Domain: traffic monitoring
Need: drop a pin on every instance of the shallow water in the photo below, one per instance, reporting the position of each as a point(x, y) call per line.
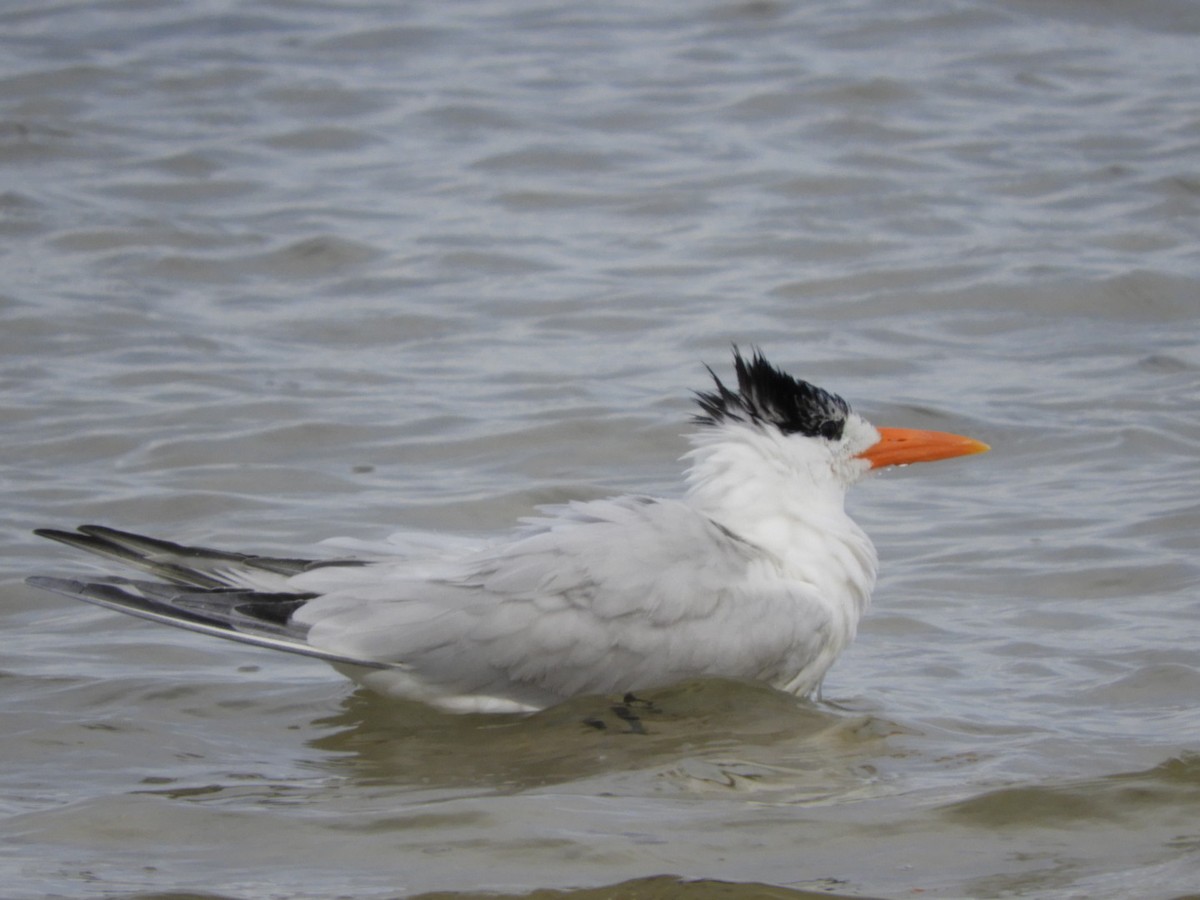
point(275, 272)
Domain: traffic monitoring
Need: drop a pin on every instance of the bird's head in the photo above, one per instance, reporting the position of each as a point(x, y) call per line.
point(814, 427)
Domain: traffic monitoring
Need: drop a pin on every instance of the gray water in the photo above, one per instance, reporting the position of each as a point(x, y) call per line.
point(280, 271)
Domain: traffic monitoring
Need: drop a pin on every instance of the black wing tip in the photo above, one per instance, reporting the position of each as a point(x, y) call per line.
point(83, 535)
point(56, 534)
point(68, 586)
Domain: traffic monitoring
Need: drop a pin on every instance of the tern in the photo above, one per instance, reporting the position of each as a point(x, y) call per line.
point(754, 573)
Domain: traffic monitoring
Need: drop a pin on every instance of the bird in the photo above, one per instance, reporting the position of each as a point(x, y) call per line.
point(753, 572)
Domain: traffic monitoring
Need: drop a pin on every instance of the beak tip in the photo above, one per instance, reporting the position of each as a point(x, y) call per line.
point(978, 446)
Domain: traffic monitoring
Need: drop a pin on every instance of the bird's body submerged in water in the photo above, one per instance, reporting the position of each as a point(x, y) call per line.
point(755, 573)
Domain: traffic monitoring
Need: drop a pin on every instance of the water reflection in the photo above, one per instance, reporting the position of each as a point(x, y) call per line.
point(706, 735)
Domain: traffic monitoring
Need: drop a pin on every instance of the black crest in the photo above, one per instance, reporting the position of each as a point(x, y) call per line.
point(767, 395)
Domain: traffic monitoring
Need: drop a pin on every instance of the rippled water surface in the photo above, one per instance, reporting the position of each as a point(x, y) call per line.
point(276, 271)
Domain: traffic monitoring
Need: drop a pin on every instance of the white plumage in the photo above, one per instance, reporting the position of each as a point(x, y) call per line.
point(756, 573)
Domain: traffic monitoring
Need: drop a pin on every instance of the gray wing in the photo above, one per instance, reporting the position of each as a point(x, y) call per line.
point(600, 597)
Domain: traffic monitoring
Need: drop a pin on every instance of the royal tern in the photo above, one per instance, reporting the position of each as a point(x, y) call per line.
point(755, 573)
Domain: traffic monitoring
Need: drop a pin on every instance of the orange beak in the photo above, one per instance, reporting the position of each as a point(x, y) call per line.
point(903, 446)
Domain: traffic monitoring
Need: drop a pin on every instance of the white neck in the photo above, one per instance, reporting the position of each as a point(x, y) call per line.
point(785, 494)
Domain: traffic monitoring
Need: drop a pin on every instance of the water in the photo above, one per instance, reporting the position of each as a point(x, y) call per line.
point(280, 271)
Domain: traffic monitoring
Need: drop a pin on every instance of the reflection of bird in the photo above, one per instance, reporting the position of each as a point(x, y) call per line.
point(757, 573)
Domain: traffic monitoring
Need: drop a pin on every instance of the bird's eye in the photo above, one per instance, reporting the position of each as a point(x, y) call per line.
point(831, 430)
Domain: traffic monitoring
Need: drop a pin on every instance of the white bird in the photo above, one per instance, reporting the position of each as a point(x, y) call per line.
point(755, 573)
